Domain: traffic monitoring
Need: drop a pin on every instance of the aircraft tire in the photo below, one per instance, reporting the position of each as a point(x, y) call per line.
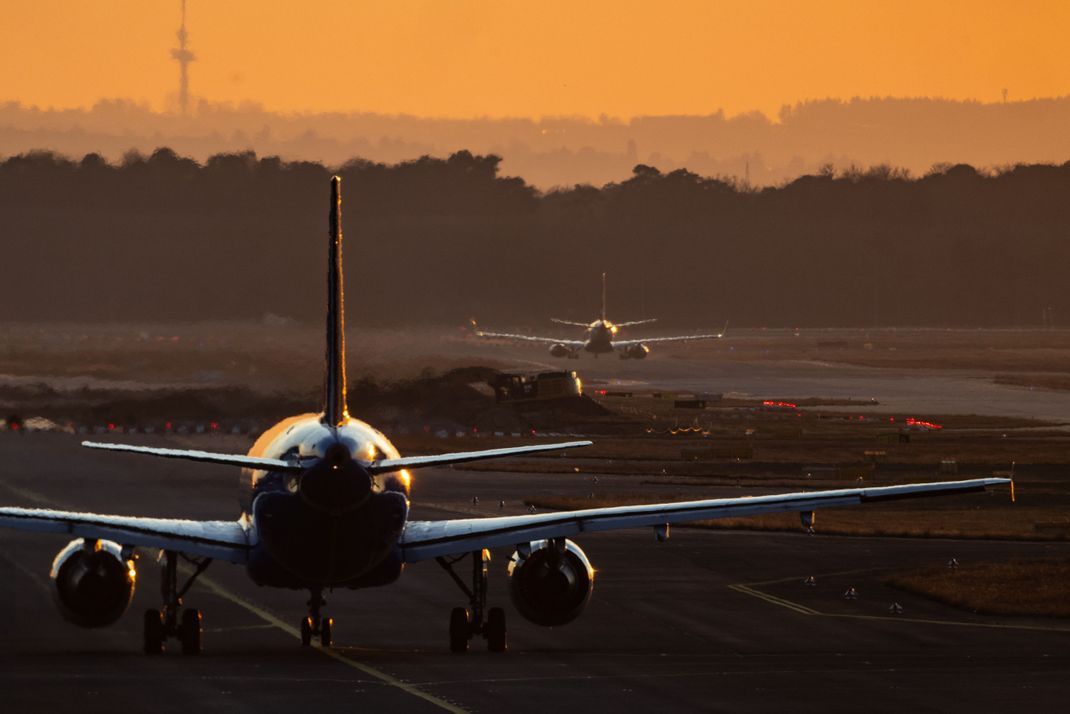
point(459, 630)
point(327, 631)
point(192, 632)
point(306, 632)
point(496, 639)
point(154, 632)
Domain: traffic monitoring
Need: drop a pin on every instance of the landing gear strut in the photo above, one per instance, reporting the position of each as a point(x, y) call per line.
point(465, 623)
point(315, 624)
point(161, 624)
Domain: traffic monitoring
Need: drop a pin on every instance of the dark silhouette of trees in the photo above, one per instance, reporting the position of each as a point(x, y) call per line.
point(163, 237)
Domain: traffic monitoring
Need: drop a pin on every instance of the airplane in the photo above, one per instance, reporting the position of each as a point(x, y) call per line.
point(601, 337)
point(326, 506)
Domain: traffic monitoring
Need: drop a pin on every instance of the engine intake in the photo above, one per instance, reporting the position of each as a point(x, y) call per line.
point(550, 582)
point(560, 350)
point(93, 582)
point(638, 351)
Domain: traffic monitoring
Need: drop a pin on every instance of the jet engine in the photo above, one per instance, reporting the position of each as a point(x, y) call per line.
point(94, 582)
point(637, 351)
point(550, 581)
point(560, 350)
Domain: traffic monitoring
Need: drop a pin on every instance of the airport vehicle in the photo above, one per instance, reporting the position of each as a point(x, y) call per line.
point(601, 337)
point(327, 506)
point(544, 386)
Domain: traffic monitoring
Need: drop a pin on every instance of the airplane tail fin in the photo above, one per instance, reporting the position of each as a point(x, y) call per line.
point(335, 410)
point(603, 296)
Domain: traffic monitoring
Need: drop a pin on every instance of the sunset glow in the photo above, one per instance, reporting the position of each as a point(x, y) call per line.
point(473, 58)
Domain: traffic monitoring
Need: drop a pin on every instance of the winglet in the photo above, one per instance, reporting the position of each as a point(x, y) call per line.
point(335, 410)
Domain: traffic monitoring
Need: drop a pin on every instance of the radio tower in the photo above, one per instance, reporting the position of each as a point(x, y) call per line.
point(183, 56)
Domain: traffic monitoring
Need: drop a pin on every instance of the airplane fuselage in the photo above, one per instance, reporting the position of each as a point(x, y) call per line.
point(333, 525)
point(600, 337)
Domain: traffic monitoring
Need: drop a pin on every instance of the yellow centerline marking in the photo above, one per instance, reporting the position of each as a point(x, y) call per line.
point(387, 679)
point(958, 623)
point(268, 617)
point(746, 590)
point(752, 591)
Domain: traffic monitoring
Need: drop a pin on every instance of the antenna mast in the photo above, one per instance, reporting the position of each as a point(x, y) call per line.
point(184, 57)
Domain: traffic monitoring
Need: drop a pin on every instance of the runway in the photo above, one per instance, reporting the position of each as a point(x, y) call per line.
point(894, 390)
point(711, 621)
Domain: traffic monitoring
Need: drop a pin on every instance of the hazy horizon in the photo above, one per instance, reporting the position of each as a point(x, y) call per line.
point(914, 134)
point(761, 91)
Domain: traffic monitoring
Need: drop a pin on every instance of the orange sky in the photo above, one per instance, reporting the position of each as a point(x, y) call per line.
point(467, 58)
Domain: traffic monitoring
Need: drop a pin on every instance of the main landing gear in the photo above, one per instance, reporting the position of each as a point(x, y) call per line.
point(315, 625)
point(465, 623)
point(161, 624)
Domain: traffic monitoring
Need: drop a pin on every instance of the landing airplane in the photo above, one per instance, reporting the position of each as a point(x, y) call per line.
point(327, 506)
point(601, 337)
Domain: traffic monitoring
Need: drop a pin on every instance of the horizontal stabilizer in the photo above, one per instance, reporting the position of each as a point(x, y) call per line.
point(250, 462)
point(458, 457)
point(633, 323)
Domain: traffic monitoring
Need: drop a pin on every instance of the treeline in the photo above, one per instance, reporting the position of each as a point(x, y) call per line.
point(913, 133)
point(435, 241)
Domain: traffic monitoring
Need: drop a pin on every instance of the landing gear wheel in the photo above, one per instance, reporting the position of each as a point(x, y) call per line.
point(192, 632)
point(460, 629)
point(154, 632)
point(161, 624)
point(495, 630)
point(306, 632)
point(327, 631)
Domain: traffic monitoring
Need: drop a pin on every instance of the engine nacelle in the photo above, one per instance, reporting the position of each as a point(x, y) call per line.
point(639, 351)
point(93, 582)
point(560, 350)
point(550, 582)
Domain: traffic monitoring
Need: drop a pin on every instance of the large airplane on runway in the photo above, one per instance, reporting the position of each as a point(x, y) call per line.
point(601, 337)
point(327, 507)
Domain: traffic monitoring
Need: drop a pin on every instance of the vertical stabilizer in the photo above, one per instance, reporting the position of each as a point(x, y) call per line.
point(603, 296)
point(335, 410)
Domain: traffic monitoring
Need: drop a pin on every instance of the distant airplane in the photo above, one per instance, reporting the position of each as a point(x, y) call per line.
point(601, 337)
point(327, 506)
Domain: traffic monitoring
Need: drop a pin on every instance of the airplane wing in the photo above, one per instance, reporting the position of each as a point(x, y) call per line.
point(681, 338)
point(459, 457)
point(221, 540)
point(568, 322)
point(532, 338)
point(653, 340)
point(633, 323)
point(432, 539)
